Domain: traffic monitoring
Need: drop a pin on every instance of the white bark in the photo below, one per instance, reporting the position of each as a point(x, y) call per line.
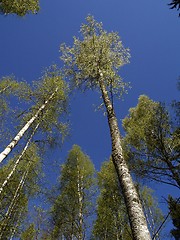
point(80, 190)
point(133, 204)
point(16, 226)
point(18, 160)
point(13, 203)
point(20, 134)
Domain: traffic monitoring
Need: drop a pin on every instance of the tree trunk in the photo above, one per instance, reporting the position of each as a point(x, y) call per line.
point(20, 134)
point(13, 203)
point(18, 160)
point(80, 199)
point(16, 226)
point(133, 204)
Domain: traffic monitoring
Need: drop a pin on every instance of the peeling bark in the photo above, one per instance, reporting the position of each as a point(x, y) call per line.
point(133, 204)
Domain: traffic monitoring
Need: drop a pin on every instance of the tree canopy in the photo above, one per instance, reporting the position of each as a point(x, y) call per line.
point(152, 142)
point(19, 7)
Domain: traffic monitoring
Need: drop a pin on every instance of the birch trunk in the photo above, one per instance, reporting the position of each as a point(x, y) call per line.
point(13, 204)
point(18, 160)
point(20, 134)
point(16, 226)
point(80, 178)
point(133, 204)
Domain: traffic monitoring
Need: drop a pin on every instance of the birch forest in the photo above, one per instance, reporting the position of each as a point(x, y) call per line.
point(53, 187)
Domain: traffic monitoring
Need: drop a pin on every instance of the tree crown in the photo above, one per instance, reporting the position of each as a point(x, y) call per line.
point(98, 52)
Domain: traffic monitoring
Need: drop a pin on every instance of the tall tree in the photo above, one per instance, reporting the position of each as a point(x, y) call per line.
point(153, 144)
point(93, 63)
point(19, 7)
point(73, 206)
point(50, 97)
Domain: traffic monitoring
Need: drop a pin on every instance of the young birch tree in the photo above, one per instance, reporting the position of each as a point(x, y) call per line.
point(74, 204)
point(93, 63)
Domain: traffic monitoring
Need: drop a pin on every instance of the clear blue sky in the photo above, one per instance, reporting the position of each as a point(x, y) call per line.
point(148, 28)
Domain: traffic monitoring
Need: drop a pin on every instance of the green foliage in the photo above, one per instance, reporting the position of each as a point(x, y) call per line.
point(51, 118)
point(11, 91)
point(174, 207)
point(8, 86)
point(112, 219)
point(29, 233)
point(153, 214)
point(98, 51)
point(151, 143)
point(140, 122)
point(19, 7)
point(15, 196)
point(74, 204)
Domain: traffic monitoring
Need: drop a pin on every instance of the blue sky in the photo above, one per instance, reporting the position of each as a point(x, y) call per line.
point(148, 28)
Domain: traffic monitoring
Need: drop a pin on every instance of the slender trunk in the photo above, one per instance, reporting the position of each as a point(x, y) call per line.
point(153, 224)
point(13, 204)
point(79, 185)
point(16, 226)
point(20, 134)
point(150, 224)
point(119, 234)
point(18, 160)
point(133, 204)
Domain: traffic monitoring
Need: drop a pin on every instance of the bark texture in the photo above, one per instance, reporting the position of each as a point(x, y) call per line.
point(136, 216)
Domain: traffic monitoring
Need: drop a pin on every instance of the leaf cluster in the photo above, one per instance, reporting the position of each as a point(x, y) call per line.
point(19, 7)
point(174, 207)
